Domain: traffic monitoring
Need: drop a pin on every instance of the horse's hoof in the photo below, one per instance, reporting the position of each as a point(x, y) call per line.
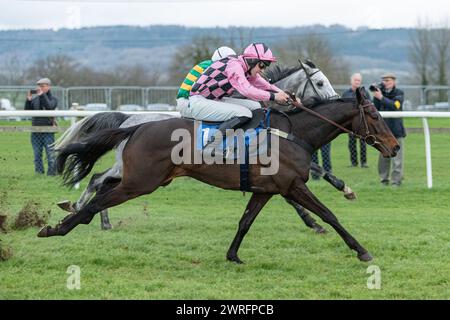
point(235, 259)
point(348, 193)
point(66, 205)
point(44, 232)
point(365, 257)
point(319, 229)
point(107, 226)
point(350, 196)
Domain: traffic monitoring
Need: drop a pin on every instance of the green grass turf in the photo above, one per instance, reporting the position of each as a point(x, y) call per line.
point(172, 243)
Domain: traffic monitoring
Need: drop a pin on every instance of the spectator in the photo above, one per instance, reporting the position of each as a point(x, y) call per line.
point(326, 160)
point(42, 99)
point(355, 82)
point(388, 98)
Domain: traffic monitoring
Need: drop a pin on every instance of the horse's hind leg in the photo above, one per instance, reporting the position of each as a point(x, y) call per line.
point(86, 195)
point(99, 202)
point(94, 185)
point(305, 216)
point(254, 206)
point(108, 184)
point(301, 194)
point(139, 181)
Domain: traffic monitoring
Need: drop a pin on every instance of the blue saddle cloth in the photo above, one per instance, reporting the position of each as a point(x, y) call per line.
point(236, 143)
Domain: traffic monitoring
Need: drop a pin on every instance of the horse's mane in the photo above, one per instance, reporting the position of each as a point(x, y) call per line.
point(279, 72)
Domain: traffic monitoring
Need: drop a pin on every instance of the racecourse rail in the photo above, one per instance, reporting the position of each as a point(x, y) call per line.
point(394, 114)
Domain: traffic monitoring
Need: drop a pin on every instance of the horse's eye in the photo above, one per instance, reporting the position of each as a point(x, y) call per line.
point(320, 83)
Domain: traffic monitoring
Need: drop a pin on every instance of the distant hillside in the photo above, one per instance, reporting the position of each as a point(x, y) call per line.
point(367, 50)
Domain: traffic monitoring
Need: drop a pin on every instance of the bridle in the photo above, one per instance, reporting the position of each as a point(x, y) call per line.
point(368, 138)
point(309, 81)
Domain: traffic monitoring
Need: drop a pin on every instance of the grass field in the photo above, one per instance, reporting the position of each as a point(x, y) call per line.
point(172, 244)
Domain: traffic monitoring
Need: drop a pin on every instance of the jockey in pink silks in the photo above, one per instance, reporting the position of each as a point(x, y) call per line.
point(210, 95)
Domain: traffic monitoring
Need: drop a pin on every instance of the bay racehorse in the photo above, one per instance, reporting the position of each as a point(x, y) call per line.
point(306, 80)
point(148, 164)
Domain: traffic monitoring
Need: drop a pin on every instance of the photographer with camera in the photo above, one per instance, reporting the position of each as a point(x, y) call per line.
point(386, 97)
point(42, 99)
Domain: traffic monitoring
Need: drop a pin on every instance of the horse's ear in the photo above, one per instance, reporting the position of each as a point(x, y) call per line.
point(310, 63)
point(302, 64)
point(364, 93)
point(360, 96)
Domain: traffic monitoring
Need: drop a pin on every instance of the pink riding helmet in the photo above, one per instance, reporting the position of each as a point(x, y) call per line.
point(259, 51)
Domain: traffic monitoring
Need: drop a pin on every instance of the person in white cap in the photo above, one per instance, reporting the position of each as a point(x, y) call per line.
point(192, 76)
point(42, 99)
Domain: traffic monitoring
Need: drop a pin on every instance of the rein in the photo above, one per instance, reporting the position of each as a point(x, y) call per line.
point(318, 115)
point(368, 138)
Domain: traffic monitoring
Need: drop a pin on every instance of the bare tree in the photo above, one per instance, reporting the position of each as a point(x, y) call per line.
point(61, 69)
point(318, 49)
point(240, 38)
point(13, 72)
point(187, 56)
point(420, 51)
point(441, 53)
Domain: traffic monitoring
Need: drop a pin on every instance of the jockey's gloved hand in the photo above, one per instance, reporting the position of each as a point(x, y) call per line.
point(293, 100)
point(282, 97)
point(290, 94)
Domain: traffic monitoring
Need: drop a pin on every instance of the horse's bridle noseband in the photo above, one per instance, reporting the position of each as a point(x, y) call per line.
point(370, 139)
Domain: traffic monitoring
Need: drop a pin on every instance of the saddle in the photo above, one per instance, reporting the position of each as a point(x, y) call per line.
point(251, 132)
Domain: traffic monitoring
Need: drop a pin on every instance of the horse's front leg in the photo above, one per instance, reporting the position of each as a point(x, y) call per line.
point(301, 194)
point(254, 206)
point(334, 181)
point(104, 219)
point(306, 218)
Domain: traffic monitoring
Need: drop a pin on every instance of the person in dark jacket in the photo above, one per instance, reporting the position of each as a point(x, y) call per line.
point(355, 82)
point(42, 100)
point(387, 97)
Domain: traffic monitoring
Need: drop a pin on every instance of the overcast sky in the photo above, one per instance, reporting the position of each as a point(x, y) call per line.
point(55, 14)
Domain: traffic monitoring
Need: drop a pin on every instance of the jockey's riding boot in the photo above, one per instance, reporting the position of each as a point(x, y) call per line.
point(216, 140)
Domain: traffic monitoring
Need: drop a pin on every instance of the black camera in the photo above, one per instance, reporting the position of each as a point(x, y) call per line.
point(33, 91)
point(375, 87)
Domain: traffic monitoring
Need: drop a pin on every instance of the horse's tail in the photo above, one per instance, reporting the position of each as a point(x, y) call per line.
point(92, 124)
point(76, 160)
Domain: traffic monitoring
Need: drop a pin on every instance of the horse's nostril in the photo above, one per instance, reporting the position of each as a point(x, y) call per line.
point(396, 148)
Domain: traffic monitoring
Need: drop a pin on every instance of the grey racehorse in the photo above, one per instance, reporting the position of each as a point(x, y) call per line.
point(305, 80)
